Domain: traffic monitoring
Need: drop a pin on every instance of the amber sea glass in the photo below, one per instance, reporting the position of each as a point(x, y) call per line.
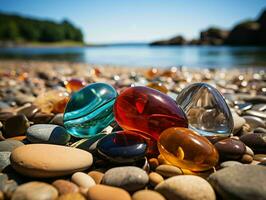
point(148, 111)
point(74, 84)
point(184, 148)
point(158, 86)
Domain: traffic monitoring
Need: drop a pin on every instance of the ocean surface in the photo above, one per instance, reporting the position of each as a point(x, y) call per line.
point(145, 55)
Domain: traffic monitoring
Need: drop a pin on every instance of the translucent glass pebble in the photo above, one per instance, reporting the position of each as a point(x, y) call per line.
point(148, 111)
point(122, 147)
point(90, 110)
point(158, 86)
point(206, 110)
point(184, 148)
point(74, 84)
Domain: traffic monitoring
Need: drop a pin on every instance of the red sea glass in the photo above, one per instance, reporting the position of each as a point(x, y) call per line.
point(147, 111)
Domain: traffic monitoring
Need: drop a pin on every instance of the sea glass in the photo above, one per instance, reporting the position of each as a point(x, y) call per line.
point(52, 101)
point(90, 110)
point(74, 84)
point(206, 110)
point(184, 148)
point(148, 111)
point(122, 147)
point(158, 86)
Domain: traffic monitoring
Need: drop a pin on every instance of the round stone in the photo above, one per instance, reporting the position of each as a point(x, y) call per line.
point(147, 195)
point(153, 110)
point(168, 170)
point(4, 159)
point(153, 162)
point(35, 190)
point(130, 178)
point(71, 196)
point(254, 122)
point(58, 119)
point(186, 187)
point(246, 158)
point(230, 149)
point(82, 180)
point(48, 134)
point(55, 160)
point(42, 118)
point(103, 192)
point(256, 141)
point(230, 164)
point(90, 110)
point(65, 187)
point(28, 110)
point(97, 176)
point(155, 179)
point(240, 182)
point(206, 109)
point(122, 147)
point(10, 145)
point(186, 149)
point(15, 126)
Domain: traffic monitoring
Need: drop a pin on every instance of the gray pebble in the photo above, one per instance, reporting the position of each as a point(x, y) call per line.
point(9, 145)
point(4, 159)
point(229, 163)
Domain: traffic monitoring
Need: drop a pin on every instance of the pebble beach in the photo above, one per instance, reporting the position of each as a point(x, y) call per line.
point(41, 158)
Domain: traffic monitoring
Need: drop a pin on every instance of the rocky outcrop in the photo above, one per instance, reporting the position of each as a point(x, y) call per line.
point(178, 40)
point(213, 36)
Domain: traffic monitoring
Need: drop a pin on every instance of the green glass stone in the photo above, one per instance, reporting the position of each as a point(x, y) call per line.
point(90, 110)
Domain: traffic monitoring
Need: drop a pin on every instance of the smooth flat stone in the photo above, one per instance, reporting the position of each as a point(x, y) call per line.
point(260, 157)
point(147, 195)
point(28, 110)
point(255, 113)
point(130, 178)
point(97, 176)
point(155, 178)
point(103, 192)
point(259, 130)
point(55, 160)
point(90, 110)
point(4, 159)
point(168, 170)
point(34, 191)
point(230, 149)
point(65, 187)
point(206, 110)
point(58, 119)
point(42, 118)
point(230, 163)
point(15, 126)
point(240, 182)
point(10, 145)
point(122, 147)
point(256, 141)
point(82, 180)
point(259, 107)
point(186, 187)
point(48, 134)
point(254, 122)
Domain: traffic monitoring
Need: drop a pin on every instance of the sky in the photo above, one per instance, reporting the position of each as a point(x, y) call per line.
point(111, 21)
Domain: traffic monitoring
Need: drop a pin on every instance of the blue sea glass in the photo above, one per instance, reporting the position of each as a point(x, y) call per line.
point(206, 110)
point(90, 110)
point(122, 147)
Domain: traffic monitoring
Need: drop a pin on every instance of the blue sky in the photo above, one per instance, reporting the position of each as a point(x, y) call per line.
point(139, 20)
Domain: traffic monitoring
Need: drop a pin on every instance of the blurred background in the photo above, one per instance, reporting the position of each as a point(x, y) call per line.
point(159, 33)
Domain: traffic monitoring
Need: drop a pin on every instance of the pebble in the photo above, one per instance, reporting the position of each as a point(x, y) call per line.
point(155, 179)
point(58, 119)
point(256, 141)
point(97, 176)
point(10, 145)
point(47, 133)
point(104, 192)
point(35, 190)
point(263, 163)
point(15, 126)
point(259, 130)
point(28, 110)
point(65, 187)
point(42, 118)
point(230, 149)
point(238, 122)
point(246, 159)
point(153, 163)
point(55, 160)
point(1, 195)
point(82, 180)
point(4, 159)
point(7, 186)
point(129, 178)
point(186, 187)
point(255, 113)
point(254, 122)
point(72, 196)
point(240, 182)
point(260, 157)
point(5, 115)
point(147, 195)
point(168, 170)
point(229, 164)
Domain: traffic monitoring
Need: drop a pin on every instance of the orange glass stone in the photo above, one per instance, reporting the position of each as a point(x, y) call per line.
point(152, 73)
point(74, 85)
point(158, 86)
point(59, 107)
point(184, 148)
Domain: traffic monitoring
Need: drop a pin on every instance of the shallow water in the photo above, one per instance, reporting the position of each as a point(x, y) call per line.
point(145, 55)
